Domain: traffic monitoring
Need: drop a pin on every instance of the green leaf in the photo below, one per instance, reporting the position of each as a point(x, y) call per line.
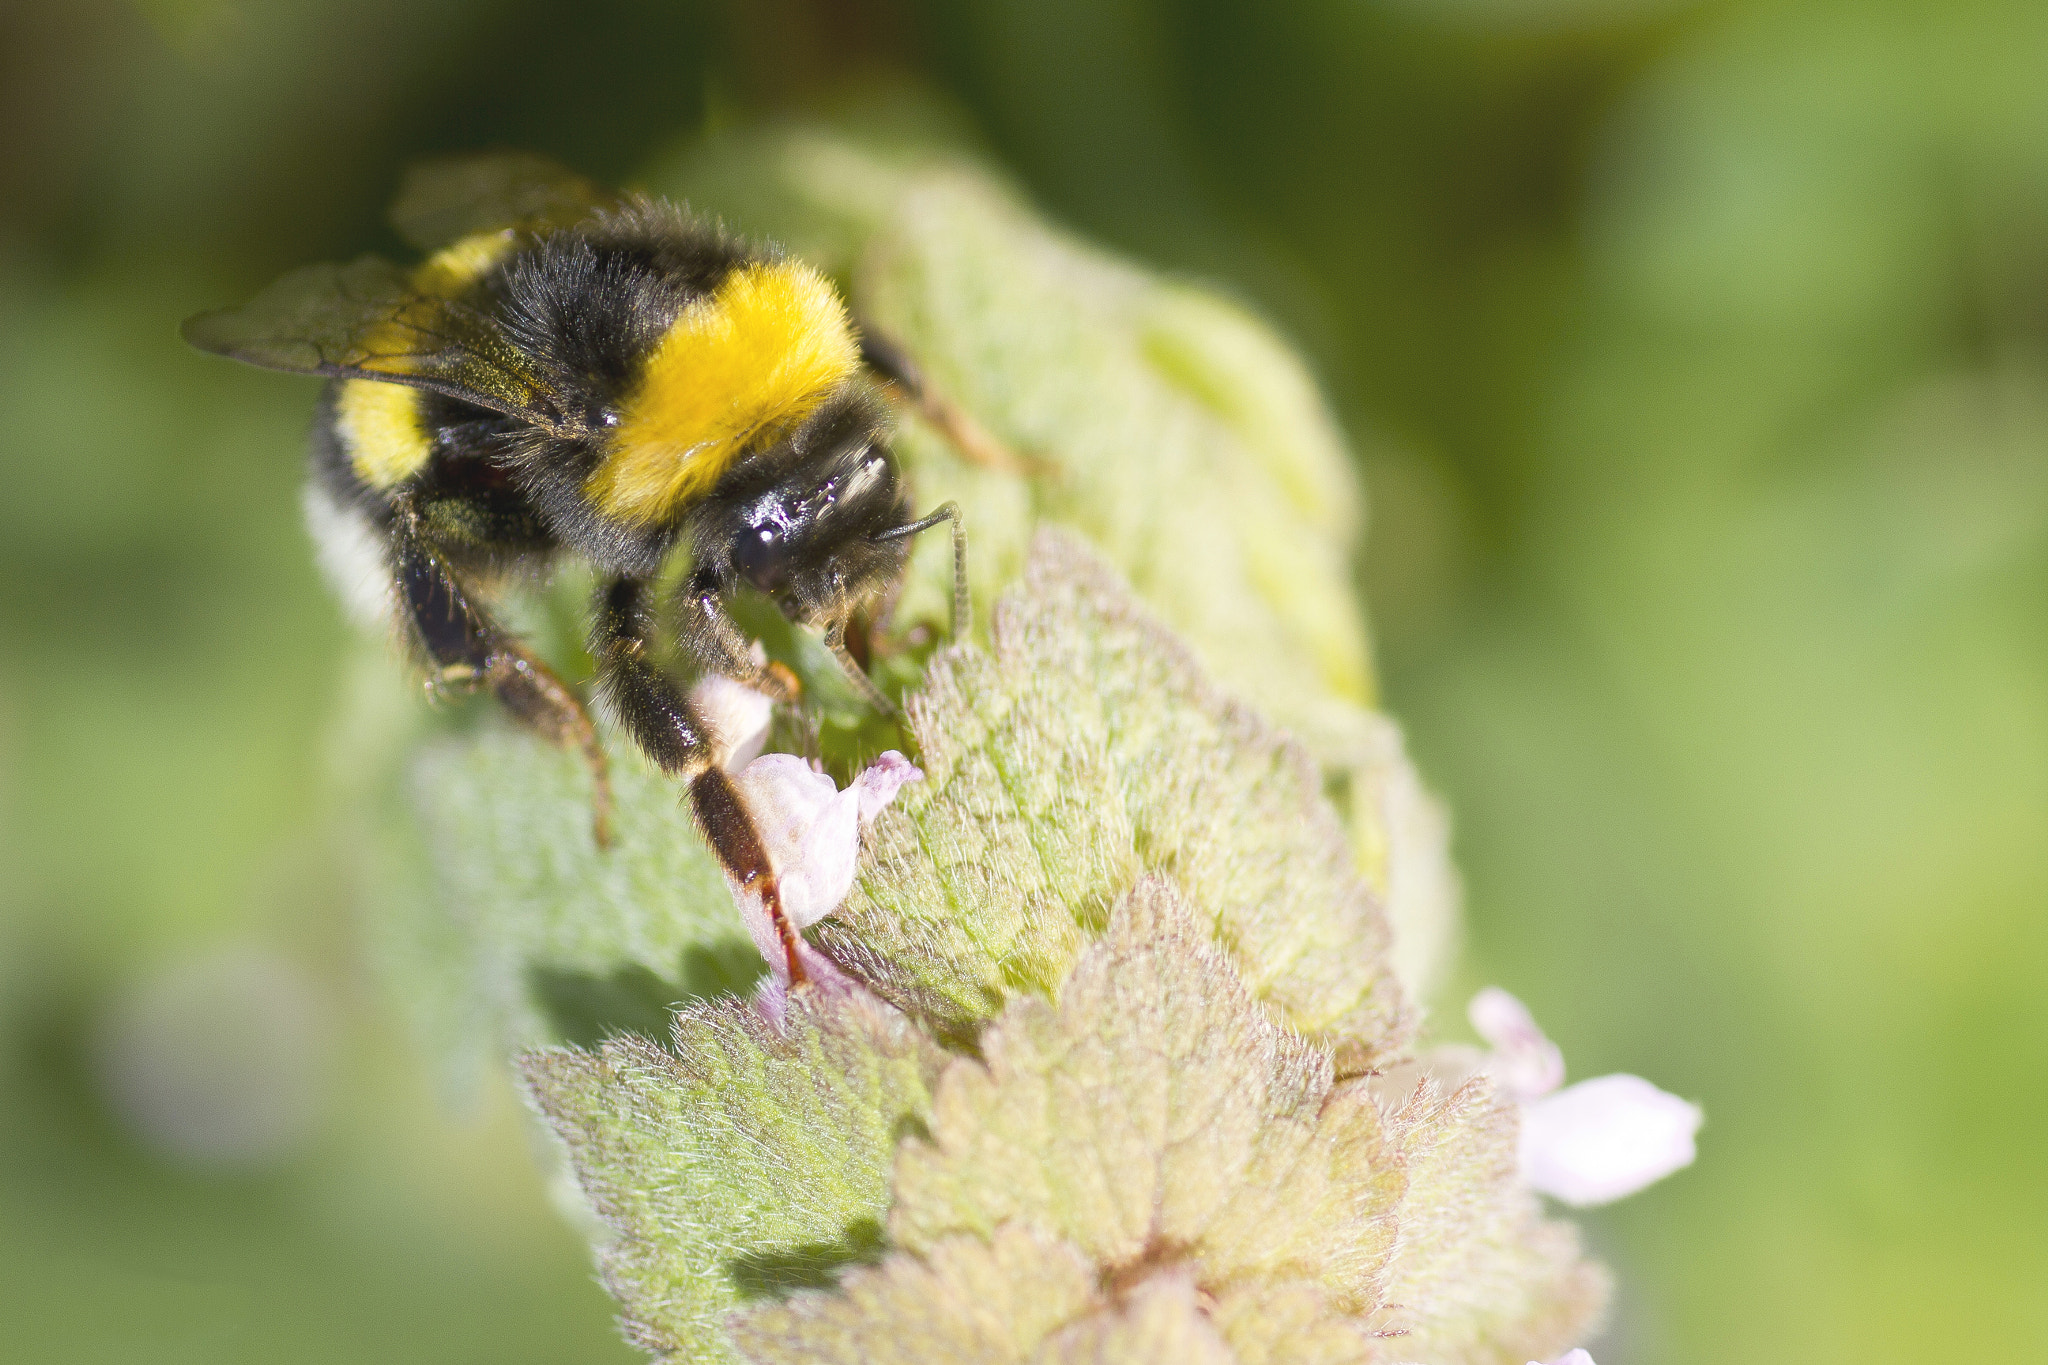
point(751, 1161)
point(1294, 1324)
point(1172, 429)
point(1157, 1114)
point(1401, 840)
point(1168, 425)
point(1481, 1277)
point(1154, 1134)
point(1083, 750)
point(1160, 1322)
point(966, 1300)
point(559, 940)
point(1153, 1169)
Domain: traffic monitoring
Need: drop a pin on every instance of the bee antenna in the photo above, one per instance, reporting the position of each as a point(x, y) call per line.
point(963, 606)
point(948, 512)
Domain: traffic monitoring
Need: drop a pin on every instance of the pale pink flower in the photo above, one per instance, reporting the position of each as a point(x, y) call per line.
point(1603, 1139)
point(1590, 1143)
point(1524, 1062)
point(811, 832)
point(736, 715)
point(1578, 1357)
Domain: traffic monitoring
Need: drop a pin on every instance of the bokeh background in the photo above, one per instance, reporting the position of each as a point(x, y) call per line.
point(1697, 355)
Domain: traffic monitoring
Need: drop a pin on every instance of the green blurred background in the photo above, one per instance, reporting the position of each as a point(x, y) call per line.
point(1699, 355)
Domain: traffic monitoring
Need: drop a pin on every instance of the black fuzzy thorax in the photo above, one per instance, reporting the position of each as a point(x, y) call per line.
point(586, 307)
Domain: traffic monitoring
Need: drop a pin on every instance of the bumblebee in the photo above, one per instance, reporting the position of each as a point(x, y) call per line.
point(607, 377)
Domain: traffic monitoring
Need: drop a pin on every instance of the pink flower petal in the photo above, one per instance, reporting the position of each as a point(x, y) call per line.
point(1525, 1063)
point(881, 780)
point(1577, 1357)
point(1602, 1139)
point(736, 715)
point(821, 973)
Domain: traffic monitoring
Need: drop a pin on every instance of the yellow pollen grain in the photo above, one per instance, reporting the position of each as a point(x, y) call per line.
point(736, 370)
point(380, 428)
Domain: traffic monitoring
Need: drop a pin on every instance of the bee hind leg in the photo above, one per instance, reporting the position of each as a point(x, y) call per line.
point(466, 650)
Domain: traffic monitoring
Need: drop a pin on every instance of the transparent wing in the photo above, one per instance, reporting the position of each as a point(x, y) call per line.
point(449, 198)
point(366, 320)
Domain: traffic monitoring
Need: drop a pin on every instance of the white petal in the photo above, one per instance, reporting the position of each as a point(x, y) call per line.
point(810, 831)
point(821, 873)
point(736, 715)
point(785, 796)
point(1578, 1357)
point(1525, 1062)
point(1599, 1140)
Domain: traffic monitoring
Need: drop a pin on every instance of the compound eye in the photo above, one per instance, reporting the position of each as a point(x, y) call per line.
point(762, 557)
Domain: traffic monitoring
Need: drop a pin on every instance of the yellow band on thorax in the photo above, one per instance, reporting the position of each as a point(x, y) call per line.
point(738, 369)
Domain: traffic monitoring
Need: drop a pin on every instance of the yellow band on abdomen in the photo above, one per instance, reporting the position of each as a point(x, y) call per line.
point(381, 430)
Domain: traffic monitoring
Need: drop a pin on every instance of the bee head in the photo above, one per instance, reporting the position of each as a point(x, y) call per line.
point(802, 525)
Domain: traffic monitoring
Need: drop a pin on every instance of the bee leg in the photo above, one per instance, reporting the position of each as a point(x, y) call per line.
point(893, 364)
point(467, 650)
point(835, 640)
point(658, 716)
point(716, 644)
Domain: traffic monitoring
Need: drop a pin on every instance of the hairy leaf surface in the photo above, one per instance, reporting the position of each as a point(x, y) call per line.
point(750, 1161)
point(1082, 750)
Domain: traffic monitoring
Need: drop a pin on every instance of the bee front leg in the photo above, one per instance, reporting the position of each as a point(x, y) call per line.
point(466, 649)
point(659, 717)
point(892, 363)
point(716, 644)
point(856, 675)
